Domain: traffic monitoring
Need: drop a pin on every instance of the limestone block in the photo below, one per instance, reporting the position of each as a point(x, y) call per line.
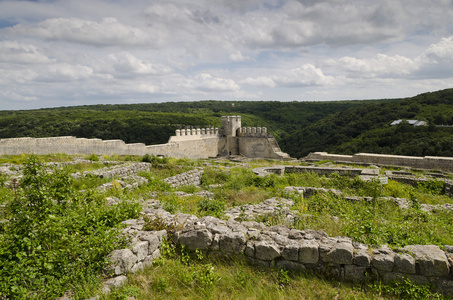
point(362, 258)
point(232, 242)
point(113, 283)
point(341, 253)
point(140, 249)
point(404, 263)
point(267, 250)
point(250, 249)
point(259, 263)
point(291, 251)
point(253, 233)
point(431, 260)
point(123, 260)
point(153, 241)
point(215, 245)
point(137, 267)
point(290, 265)
point(196, 239)
point(296, 234)
point(383, 262)
point(281, 239)
point(148, 261)
point(354, 273)
point(155, 254)
point(308, 252)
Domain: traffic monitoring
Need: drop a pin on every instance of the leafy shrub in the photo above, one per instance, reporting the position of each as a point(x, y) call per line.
point(154, 160)
point(434, 187)
point(56, 239)
point(93, 157)
point(211, 207)
point(214, 176)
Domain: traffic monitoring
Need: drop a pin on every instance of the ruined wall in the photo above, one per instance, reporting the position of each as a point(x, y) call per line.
point(283, 247)
point(190, 147)
point(427, 162)
point(231, 139)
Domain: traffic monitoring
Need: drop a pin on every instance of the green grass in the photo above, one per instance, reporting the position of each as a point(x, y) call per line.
point(232, 278)
point(377, 222)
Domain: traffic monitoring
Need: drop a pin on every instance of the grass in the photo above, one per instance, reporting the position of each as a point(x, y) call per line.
point(376, 222)
point(232, 278)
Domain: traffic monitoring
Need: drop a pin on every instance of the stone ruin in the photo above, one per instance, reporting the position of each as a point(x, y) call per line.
point(230, 139)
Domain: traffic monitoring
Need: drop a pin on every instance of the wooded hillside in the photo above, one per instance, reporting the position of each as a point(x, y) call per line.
point(343, 127)
point(367, 129)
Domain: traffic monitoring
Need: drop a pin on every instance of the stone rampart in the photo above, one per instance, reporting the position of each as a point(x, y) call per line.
point(427, 162)
point(194, 133)
point(252, 131)
point(231, 139)
point(198, 147)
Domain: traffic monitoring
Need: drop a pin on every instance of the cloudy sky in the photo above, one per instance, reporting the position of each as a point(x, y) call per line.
point(62, 52)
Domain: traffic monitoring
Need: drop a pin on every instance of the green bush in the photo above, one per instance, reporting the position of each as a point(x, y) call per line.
point(154, 160)
point(56, 239)
point(93, 157)
point(211, 207)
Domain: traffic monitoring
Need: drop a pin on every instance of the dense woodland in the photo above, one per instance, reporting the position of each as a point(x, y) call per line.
point(343, 127)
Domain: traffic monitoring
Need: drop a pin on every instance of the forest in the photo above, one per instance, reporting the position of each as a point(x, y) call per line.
point(343, 127)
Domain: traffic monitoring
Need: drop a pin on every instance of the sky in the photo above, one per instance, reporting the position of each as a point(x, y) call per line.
point(62, 53)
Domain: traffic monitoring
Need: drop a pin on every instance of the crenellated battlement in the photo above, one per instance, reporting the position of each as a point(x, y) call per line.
point(252, 132)
point(230, 139)
point(197, 131)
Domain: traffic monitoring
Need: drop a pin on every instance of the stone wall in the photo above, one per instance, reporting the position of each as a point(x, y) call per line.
point(427, 162)
point(337, 257)
point(190, 147)
point(187, 178)
point(280, 170)
point(197, 143)
point(304, 250)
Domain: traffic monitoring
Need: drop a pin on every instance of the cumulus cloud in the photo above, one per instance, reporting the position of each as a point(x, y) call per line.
point(306, 75)
point(108, 32)
point(21, 53)
point(125, 64)
point(435, 61)
point(261, 81)
point(207, 82)
point(252, 49)
point(380, 65)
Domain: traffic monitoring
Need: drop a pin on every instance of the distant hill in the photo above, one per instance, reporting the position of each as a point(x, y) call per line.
point(343, 127)
point(154, 123)
point(367, 129)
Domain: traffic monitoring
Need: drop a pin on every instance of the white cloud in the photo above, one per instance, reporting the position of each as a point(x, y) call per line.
point(108, 32)
point(21, 53)
point(306, 75)
point(17, 97)
point(379, 66)
point(126, 64)
point(238, 56)
point(441, 52)
point(207, 82)
point(260, 82)
point(86, 50)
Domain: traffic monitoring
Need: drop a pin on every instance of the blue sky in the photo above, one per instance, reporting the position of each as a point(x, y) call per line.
point(62, 53)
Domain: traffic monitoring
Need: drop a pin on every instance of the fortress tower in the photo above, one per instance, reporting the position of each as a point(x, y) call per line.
point(230, 125)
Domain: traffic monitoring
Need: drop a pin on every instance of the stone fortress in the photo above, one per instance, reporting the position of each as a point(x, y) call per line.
point(230, 139)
